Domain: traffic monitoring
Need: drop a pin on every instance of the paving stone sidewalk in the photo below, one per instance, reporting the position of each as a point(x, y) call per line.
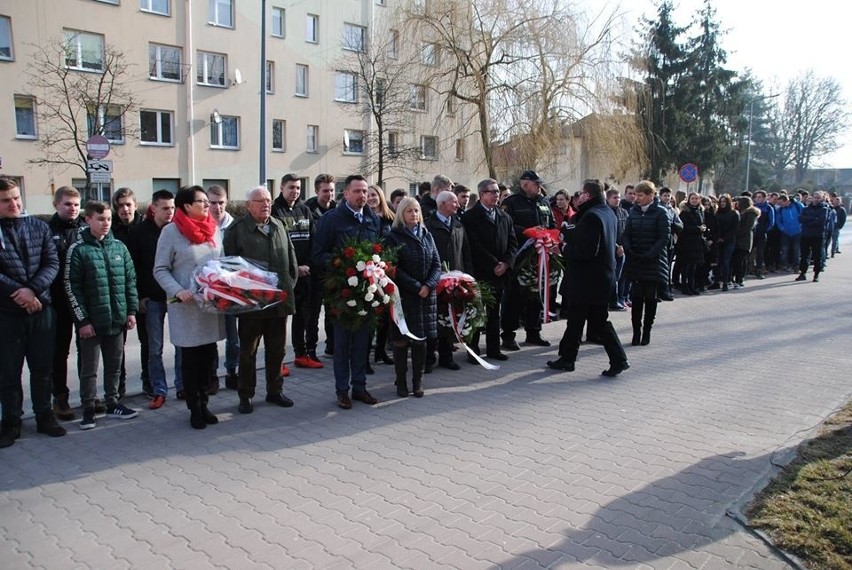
point(523, 468)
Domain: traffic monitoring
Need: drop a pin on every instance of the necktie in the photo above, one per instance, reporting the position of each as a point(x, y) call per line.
point(491, 214)
point(359, 216)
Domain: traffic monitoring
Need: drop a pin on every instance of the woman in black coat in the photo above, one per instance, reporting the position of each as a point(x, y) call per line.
point(418, 270)
point(727, 221)
point(646, 236)
point(691, 245)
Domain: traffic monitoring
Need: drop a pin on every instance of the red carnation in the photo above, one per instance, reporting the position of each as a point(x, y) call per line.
point(377, 248)
point(389, 288)
point(349, 252)
point(350, 272)
point(346, 293)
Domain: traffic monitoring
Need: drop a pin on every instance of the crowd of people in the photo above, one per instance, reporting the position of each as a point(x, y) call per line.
point(108, 269)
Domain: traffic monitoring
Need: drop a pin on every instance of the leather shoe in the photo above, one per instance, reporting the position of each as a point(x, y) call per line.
point(246, 407)
point(428, 366)
point(450, 365)
point(537, 341)
point(364, 397)
point(231, 380)
point(280, 400)
point(343, 400)
point(561, 364)
point(511, 344)
point(497, 356)
point(615, 370)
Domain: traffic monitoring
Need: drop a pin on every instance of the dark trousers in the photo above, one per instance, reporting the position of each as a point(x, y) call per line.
point(516, 300)
point(301, 318)
point(196, 362)
point(351, 351)
point(773, 248)
point(61, 350)
point(27, 337)
point(492, 322)
point(598, 318)
point(273, 330)
point(739, 265)
point(110, 349)
point(812, 249)
point(142, 331)
point(312, 320)
point(759, 251)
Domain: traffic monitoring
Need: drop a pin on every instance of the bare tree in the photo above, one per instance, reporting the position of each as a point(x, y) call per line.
point(74, 104)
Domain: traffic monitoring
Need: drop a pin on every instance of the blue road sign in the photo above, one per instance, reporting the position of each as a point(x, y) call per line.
point(688, 172)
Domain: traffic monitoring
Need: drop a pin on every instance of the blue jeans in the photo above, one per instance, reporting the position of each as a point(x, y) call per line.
point(835, 242)
point(232, 347)
point(29, 337)
point(790, 250)
point(616, 298)
point(154, 320)
point(351, 352)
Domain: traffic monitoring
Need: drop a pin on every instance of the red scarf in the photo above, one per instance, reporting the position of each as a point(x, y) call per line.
point(196, 231)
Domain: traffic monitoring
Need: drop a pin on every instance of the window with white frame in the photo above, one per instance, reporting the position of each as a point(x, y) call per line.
point(278, 22)
point(6, 50)
point(155, 128)
point(25, 117)
point(83, 50)
point(164, 62)
point(428, 147)
point(312, 142)
point(393, 44)
point(212, 69)
point(459, 149)
point(345, 87)
point(418, 97)
point(114, 2)
point(106, 120)
point(270, 77)
point(312, 29)
point(225, 132)
point(220, 13)
point(429, 53)
point(354, 37)
point(301, 80)
point(279, 135)
point(155, 6)
point(353, 141)
point(393, 143)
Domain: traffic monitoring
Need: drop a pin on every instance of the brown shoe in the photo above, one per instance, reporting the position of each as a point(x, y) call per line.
point(343, 400)
point(213, 386)
point(364, 397)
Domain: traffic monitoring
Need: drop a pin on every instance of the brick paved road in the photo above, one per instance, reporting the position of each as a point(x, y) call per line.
point(518, 469)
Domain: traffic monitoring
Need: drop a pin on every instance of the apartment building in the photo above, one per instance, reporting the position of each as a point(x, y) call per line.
point(196, 73)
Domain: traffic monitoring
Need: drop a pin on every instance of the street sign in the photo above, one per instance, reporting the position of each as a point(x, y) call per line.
point(100, 171)
point(97, 146)
point(688, 173)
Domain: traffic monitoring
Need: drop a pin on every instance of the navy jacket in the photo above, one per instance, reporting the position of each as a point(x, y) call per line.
point(338, 225)
point(646, 238)
point(814, 220)
point(589, 253)
point(27, 259)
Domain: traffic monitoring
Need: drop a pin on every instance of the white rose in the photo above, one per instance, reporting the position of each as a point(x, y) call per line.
point(351, 303)
point(372, 289)
point(376, 258)
point(383, 281)
point(386, 300)
point(362, 312)
point(374, 304)
point(360, 266)
point(353, 281)
point(368, 297)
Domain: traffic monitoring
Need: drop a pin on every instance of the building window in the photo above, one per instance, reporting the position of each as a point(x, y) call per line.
point(428, 148)
point(418, 97)
point(25, 117)
point(393, 143)
point(279, 135)
point(84, 51)
point(381, 2)
point(107, 121)
point(220, 13)
point(155, 128)
point(379, 92)
point(164, 63)
point(345, 87)
point(155, 6)
point(451, 105)
point(312, 138)
point(301, 80)
point(354, 37)
point(459, 149)
point(6, 51)
point(225, 132)
point(270, 77)
point(170, 184)
point(429, 54)
point(353, 142)
point(393, 44)
point(312, 31)
point(278, 22)
point(223, 182)
point(211, 69)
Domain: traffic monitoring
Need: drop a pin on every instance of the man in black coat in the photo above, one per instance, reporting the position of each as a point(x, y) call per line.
point(589, 253)
point(490, 232)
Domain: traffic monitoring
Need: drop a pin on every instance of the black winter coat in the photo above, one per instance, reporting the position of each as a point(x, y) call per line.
point(452, 244)
point(691, 246)
point(299, 221)
point(589, 253)
point(142, 245)
point(27, 259)
point(528, 212)
point(490, 242)
point(745, 229)
point(727, 222)
point(64, 232)
point(646, 237)
point(418, 264)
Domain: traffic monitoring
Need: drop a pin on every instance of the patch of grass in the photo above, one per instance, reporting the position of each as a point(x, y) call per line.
point(807, 509)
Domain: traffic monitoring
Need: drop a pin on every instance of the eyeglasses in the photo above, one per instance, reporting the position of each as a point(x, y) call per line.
point(205, 202)
point(217, 202)
point(262, 201)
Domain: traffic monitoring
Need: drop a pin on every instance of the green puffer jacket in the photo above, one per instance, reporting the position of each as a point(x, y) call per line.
point(100, 283)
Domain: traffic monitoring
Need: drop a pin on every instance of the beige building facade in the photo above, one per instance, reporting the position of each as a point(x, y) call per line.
point(195, 72)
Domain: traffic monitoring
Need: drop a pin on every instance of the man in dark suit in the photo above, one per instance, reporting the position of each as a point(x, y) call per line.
point(589, 253)
point(492, 237)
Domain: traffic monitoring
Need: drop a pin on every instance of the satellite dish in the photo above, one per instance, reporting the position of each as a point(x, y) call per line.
point(217, 118)
point(345, 141)
point(238, 77)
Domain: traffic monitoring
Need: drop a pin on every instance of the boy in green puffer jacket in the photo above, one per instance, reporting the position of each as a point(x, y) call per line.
point(101, 286)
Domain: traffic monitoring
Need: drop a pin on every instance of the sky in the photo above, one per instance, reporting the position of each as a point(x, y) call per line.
point(778, 41)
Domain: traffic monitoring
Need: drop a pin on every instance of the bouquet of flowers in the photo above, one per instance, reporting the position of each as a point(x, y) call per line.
point(461, 307)
point(235, 285)
point(539, 263)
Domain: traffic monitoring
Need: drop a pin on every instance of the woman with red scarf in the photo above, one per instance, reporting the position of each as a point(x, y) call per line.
point(190, 241)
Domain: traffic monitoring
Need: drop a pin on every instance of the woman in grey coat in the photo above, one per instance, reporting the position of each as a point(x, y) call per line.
point(190, 241)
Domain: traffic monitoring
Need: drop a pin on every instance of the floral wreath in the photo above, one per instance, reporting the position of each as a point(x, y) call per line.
point(461, 307)
point(539, 264)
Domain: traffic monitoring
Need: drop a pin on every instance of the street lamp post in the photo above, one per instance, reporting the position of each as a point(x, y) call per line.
point(748, 144)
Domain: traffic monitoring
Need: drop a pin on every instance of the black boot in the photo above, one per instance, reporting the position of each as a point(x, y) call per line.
point(46, 423)
point(196, 417)
point(418, 362)
point(9, 432)
point(400, 368)
point(209, 417)
point(650, 314)
point(636, 319)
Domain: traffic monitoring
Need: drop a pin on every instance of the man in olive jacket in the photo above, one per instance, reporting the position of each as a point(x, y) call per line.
point(261, 237)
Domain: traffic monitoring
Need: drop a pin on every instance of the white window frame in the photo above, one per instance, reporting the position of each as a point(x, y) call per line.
point(270, 76)
point(6, 29)
point(282, 125)
point(148, 6)
point(279, 18)
point(203, 73)
point(33, 118)
point(159, 117)
point(302, 85)
point(217, 130)
point(106, 119)
point(215, 16)
point(394, 140)
point(312, 35)
point(429, 54)
point(156, 60)
point(424, 139)
point(73, 45)
point(354, 37)
point(312, 139)
point(351, 136)
point(419, 98)
point(345, 87)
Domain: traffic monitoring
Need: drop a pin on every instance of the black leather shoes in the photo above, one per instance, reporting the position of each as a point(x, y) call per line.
point(511, 344)
point(343, 400)
point(279, 400)
point(615, 370)
point(561, 364)
point(496, 356)
point(537, 341)
point(364, 397)
point(246, 407)
point(450, 365)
